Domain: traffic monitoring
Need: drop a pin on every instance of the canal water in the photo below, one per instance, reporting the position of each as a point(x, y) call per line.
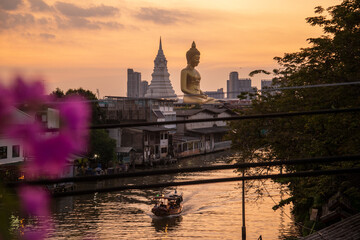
point(211, 211)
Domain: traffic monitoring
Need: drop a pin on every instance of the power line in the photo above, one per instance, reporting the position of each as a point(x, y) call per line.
point(256, 116)
point(349, 158)
point(308, 86)
point(267, 89)
point(208, 181)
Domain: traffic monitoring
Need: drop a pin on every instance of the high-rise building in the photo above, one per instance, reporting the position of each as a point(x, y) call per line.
point(133, 83)
point(236, 86)
point(160, 86)
point(267, 84)
point(218, 94)
point(144, 85)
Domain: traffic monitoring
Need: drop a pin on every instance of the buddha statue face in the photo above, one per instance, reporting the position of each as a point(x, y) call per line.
point(193, 56)
point(195, 60)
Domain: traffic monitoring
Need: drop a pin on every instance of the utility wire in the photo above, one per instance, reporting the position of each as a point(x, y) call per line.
point(267, 89)
point(207, 181)
point(244, 117)
point(189, 170)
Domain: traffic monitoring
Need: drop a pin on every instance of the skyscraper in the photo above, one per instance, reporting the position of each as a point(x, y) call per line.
point(133, 83)
point(235, 85)
point(160, 86)
point(144, 85)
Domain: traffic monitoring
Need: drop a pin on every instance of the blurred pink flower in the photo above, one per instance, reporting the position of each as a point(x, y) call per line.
point(34, 234)
point(48, 153)
point(28, 133)
point(50, 156)
point(75, 116)
point(35, 200)
point(31, 93)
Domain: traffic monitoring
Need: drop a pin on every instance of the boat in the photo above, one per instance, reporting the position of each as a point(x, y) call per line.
point(166, 205)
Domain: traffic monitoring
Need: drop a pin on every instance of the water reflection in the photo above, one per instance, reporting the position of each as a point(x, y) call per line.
point(206, 212)
point(165, 224)
point(63, 205)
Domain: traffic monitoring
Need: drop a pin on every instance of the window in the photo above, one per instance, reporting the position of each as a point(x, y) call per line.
point(164, 150)
point(16, 151)
point(3, 152)
point(190, 146)
point(164, 136)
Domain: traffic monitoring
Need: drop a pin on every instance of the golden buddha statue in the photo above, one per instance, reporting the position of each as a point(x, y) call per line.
point(190, 79)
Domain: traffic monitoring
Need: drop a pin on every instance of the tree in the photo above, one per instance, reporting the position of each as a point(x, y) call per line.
point(331, 58)
point(97, 115)
point(57, 93)
point(101, 145)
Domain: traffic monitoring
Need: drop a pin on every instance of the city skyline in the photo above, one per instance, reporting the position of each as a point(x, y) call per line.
point(91, 44)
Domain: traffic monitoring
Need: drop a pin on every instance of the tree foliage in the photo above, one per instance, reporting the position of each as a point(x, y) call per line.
point(331, 58)
point(101, 145)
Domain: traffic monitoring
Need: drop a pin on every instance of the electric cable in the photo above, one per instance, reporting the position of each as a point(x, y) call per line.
point(207, 181)
point(189, 170)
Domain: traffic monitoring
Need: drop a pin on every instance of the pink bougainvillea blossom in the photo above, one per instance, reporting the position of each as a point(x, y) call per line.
point(75, 116)
point(28, 133)
point(35, 200)
point(34, 234)
point(31, 93)
point(47, 153)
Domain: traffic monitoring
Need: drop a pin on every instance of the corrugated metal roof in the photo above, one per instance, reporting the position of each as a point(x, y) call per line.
point(125, 149)
point(210, 130)
point(347, 229)
point(153, 128)
point(183, 138)
point(187, 112)
point(158, 114)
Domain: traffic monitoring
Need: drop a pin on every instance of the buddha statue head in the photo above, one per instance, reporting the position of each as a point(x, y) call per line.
point(193, 55)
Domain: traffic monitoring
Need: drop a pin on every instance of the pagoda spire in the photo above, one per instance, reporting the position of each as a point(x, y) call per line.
point(160, 86)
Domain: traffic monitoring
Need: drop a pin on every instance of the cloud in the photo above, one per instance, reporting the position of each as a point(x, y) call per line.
point(83, 23)
point(71, 10)
point(47, 36)
point(39, 6)
point(44, 21)
point(162, 16)
point(10, 21)
point(9, 4)
point(111, 25)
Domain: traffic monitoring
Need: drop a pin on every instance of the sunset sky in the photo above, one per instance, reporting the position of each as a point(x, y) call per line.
point(91, 43)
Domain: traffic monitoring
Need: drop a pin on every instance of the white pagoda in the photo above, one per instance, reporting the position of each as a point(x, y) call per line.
point(160, 86)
